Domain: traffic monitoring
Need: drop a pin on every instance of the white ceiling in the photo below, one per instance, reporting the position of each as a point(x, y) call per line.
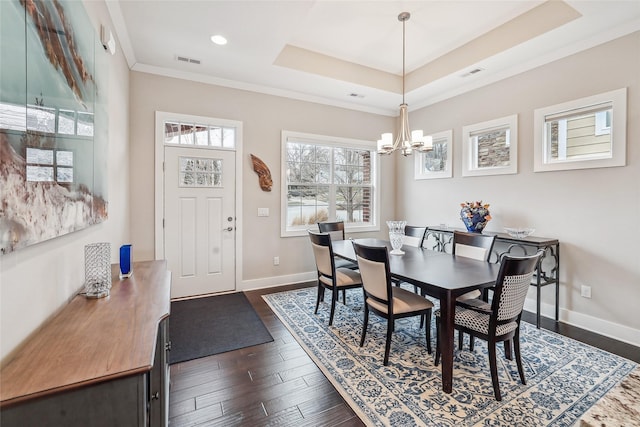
point(327, 51)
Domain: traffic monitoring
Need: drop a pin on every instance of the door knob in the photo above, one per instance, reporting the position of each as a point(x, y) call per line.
point(228, 229)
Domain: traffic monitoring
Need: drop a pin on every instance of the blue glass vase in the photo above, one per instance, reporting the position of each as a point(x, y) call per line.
point(475, 223)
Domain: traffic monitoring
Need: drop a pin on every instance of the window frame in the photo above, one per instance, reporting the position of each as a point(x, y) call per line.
point(618, 131)
point(469, 155)
point(444, 137)
point(332, 142)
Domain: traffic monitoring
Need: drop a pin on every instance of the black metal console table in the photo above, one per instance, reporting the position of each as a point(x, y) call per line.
point(547, 273)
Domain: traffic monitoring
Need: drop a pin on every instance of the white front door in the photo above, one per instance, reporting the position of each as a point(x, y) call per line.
point(199, 220)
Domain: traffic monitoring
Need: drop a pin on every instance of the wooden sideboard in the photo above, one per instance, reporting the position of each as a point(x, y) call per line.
point(98, 362)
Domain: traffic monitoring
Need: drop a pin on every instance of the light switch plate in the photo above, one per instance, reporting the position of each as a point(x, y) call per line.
point(263, 211)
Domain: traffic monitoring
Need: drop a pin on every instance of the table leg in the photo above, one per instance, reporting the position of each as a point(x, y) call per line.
point(447, 313)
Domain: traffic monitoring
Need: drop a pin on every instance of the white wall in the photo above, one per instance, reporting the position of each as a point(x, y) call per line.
point(37, 281)
point(263, 118)
point(593, 212)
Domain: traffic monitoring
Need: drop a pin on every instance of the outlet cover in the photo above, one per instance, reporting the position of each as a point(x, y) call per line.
point(585, 291)
point(263, 211)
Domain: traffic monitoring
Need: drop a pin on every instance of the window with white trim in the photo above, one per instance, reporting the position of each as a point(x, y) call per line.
point(327, 179)
point(585, 133)
point(200, 135)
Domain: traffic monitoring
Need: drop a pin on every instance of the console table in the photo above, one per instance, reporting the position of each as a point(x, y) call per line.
point(97, 362)
point(547, 273)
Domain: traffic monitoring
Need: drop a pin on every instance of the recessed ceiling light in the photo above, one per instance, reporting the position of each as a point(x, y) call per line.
point(219, 40)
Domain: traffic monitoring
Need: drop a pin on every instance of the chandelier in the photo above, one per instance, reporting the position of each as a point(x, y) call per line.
point(406, 141)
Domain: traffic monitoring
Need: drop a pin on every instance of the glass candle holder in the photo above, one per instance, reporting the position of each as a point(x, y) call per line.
point(97, 270)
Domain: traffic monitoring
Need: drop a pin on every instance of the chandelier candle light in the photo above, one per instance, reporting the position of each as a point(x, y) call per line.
point(406, 141)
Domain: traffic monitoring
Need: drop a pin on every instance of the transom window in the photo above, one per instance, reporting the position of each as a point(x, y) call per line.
point(199, 134)
point(327, 179)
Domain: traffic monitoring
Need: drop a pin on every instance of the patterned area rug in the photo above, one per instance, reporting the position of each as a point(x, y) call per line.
point(564, 377)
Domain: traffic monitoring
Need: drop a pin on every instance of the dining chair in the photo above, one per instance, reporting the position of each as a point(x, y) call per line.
point(413, 236)
point(498, 321)
point(336, 230)
point(330, 277)
point(385, 300)
point(476, 246)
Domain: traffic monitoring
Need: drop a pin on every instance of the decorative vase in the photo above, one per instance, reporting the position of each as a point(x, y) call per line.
point(475, 216)
point(396, 236)
point(474, 226)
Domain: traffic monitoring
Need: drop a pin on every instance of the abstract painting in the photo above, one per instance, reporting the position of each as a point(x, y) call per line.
point(53, 122)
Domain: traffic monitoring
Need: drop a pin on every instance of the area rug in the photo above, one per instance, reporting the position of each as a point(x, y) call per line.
point(202, 327)
point(564, 377)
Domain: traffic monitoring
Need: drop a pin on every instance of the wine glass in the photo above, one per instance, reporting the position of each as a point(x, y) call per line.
point(396, 236)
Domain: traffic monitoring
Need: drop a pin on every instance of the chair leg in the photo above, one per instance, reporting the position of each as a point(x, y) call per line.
point(471, 341)
point(516, 348)
point(320, 297)
point(437, 358)
point(344, 296)
point(421, 317)
point(387, 347)
point(365, 324)
point(507, 350)
point(428, 329)
point(461, 340)
point(333, 305)
point(494, 369)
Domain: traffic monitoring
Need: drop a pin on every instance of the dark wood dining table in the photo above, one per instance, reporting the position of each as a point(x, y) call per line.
point(439, 275)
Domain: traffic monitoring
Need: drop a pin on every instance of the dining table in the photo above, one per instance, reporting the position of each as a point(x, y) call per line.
point(439, 275)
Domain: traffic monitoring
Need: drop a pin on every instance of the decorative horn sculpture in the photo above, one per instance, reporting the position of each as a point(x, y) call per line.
point(263, 172)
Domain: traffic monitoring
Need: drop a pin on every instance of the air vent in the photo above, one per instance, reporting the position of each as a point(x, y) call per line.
point(472, 72)
point(188, 60)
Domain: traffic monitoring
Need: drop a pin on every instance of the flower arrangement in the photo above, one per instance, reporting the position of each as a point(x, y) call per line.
point(475, 215)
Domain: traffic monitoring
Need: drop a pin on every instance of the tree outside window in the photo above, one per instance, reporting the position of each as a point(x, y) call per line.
point(326, 182)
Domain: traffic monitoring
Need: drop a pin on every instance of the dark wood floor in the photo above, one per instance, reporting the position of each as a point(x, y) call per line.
point(277, 383)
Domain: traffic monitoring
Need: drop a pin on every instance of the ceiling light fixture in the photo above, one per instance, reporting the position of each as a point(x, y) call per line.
point(406, 141)
point(219, 40)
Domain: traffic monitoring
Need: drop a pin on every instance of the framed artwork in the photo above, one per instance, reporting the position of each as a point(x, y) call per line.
point(53, 122)
point(437, 162)
point(491, 147)
point(585, 133)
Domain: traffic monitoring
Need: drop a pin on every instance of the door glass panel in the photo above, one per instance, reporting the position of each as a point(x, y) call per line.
point(200, 172)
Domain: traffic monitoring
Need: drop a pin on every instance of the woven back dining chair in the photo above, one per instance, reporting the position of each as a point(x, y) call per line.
point(476, 246)
point(498, 321)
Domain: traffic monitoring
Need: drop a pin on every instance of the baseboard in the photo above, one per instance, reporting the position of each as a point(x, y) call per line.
point(590, 323)
point(270, 282)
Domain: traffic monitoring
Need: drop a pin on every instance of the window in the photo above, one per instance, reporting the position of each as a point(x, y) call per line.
point(437, 162)
point(49, 165)
point(200, 172)
point(490, 148)
point(327, 179)
point(199, 135)
point(585, 133)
